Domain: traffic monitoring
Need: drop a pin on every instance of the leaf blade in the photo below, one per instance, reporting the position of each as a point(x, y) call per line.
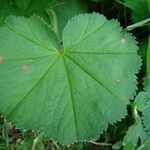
point(76, 88)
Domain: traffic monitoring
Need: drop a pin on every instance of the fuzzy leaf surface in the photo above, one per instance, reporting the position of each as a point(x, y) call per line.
point(146, 111)
point(133, 134)
point(69, 92)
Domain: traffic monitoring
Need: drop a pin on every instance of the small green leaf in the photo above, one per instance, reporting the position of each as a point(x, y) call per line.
point(148, 2)
point(117, 145)
point(135, 134)
point(145, 106)
point(69, 90)
point(146, 118)
point(142, 51)
point(62, 11)
point(7, 8)
point(139, 9)
point(141, 100)
point(148, 59)
point(131, 139)
point(37, 6)
point(22, 8)
point(23, 4)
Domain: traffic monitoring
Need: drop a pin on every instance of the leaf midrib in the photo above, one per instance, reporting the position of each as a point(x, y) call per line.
point(101, 53)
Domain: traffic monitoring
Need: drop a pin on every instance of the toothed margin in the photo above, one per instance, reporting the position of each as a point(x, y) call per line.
point(146, 88)
point(117, 26)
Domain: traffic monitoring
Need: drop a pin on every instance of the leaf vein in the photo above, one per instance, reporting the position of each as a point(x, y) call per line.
point(72, 99)
point(24, 97)
point(101, 53)
point(42, 44)
point(89, 74)
point(13, 31)
point(88, 35)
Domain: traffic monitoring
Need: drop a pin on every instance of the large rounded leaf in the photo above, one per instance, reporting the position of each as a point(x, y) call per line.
point(70, 91)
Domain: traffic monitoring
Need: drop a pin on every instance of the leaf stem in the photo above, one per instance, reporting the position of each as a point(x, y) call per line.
point(138, 24)
point(56, 145)
point(5, 133)
point(35, 143)
point(53, 18)
point(148, 59)
point(124, 4)
point(57, 5)
point(101, 144)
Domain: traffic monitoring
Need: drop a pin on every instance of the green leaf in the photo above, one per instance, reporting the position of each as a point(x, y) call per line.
point(142, 51)
point(146, 118)
point(23, 4)
point(131, 139)
point(63, 10)
point(143, 103)
point(147, 85)
point(7, 8)
point(148, 59)
point(37, 6)
point(22, 8)
point(117, 145)
point(136, 137)
point(136, 6)
point(146, 112)
point(148, 2)
point(71, 91)
point(30, 7)
point(141, 100)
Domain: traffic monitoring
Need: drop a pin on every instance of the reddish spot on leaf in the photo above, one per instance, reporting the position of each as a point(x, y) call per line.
point(2, 59)
point(123, 40)
point(25, 67)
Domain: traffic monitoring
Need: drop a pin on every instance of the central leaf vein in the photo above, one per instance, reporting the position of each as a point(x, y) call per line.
point(101, 53)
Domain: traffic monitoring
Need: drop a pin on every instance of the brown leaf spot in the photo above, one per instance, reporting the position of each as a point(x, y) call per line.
point(25, 67)
point(2, 59)
point(123, 40)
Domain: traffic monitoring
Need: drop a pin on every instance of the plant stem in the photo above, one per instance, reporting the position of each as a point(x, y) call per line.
point(57, 147)
point(53, 18)
point(5, 134)
point(124, 4)
point(148, 59)
point(138, 24)
point(57, 5)
point(35, 143)
point(101, 144)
